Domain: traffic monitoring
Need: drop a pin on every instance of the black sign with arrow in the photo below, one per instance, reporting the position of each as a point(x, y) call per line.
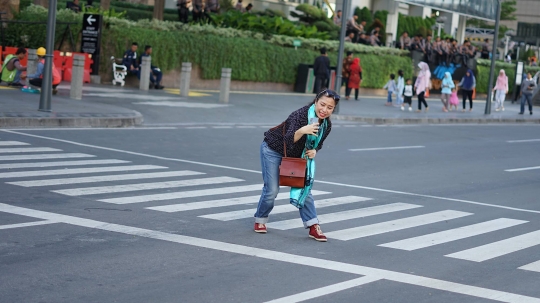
point(91, 38)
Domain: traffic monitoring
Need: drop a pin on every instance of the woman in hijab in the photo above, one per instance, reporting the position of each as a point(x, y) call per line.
point(500, 89)
point(446, 92)
point(355, 78)
point(422, 83)
point(467, 84)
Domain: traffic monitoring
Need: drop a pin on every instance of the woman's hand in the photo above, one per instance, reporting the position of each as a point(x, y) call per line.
point(311, 153)
point(310, 129)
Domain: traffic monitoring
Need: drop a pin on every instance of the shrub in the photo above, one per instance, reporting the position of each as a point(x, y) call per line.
point(484, 66)
point(414, 25)
point(363, 14)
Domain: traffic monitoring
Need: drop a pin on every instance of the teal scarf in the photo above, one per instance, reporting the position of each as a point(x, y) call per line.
point(299, 195)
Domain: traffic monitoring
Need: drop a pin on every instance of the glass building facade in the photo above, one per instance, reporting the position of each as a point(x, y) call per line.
point(483, 9)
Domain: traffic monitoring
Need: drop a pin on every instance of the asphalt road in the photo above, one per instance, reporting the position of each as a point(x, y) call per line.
point(164, 214)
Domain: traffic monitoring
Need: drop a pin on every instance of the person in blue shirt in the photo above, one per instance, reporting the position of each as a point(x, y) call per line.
point(155, 72)
point(130, 59)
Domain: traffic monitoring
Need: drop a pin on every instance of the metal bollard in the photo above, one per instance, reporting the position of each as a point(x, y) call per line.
point(185, 78)
point(225, 85)
point(145, 73)
point(77, 74)
point(31, 67)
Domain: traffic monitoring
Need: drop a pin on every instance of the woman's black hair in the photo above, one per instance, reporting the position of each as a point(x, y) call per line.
point(400, 72)
point(321, 94)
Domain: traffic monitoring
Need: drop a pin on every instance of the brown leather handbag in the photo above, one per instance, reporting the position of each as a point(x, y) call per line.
point(292, 171)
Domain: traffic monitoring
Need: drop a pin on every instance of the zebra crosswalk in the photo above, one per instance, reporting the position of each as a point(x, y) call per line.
point(158, 188)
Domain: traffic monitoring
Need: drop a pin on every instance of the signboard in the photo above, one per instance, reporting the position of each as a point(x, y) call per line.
point(91, 38)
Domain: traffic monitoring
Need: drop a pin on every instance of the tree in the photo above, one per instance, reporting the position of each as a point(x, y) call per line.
point(508, 8)
point(159, 7)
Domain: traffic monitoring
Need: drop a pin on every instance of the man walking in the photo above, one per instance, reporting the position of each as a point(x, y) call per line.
point(155, 72)
point(527, 89)
point(321, 69)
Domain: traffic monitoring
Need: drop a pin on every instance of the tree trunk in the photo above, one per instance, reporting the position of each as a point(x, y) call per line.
point(159, 7)
point(43, 3)
point(105, 4)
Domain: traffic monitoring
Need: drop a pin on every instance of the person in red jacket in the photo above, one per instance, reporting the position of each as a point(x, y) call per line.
point(37, 78)
point(355, 78)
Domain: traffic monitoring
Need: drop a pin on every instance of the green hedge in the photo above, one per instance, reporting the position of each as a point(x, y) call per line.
point(263, 62)
point(483, 67)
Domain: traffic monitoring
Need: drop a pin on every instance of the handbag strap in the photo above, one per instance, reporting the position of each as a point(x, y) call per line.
point(284, 142)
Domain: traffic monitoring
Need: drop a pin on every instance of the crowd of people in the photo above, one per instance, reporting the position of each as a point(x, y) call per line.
point(201, 9)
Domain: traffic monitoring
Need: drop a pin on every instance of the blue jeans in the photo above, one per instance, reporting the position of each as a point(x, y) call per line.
point(270, 161)
point(525, 98)
point(389, 99)
point(399, 99)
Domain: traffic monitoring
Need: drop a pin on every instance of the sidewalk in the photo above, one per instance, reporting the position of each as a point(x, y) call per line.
point(19, 109)
point(369, 110)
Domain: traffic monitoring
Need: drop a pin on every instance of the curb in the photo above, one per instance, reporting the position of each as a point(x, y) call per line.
point(372, 120)
point(65, 120)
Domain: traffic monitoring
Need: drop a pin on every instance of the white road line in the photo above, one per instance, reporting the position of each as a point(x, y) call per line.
point(499, 248)
point(222, 202)
point(93, 179)
point(266, 254)
point(280, 209)
point(12, 143)
point(522, 169)
point(385, 148)
point(535, 266)
point(44, 156)
point(183, 194)
point(222, 127)
point(18, 225)
point(245, 126)
point(258, 172)
point(326, 290)
point(523, 141)
point(84, 191)
point(93, 128)
point(394, 225)
point(453, 234)
point(61, 163)
point(28, 150)
point(69, 171)
point(195, 127)
point(346, 215)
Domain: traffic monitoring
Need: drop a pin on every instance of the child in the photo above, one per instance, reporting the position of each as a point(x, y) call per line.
point(407, 94)
point(391, 87)
point(400, 87)
point(454, 100)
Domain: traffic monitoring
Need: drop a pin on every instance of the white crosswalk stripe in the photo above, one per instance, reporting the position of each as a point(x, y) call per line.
point(94, 179)
point(222, 202)
point(38, 173)
point(12, 143)
point(280, 209)
point(394, 225)
point(44, 156)
point(453, 234)
point(28, 150)
point(346, 215)
point(535, 266)
point(184, 194)
point(143, 186)
point(499, 248)
point(61, 163)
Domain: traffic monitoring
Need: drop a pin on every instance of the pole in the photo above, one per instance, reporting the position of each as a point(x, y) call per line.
point(46, 87)
point(506, 46)
point(492, 68)
point(344, 16)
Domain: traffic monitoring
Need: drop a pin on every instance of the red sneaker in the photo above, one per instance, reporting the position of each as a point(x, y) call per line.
point(316, 233)
point(260, 228)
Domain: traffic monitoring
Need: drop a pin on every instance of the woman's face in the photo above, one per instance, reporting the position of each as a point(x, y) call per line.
point(468, 74)
point(324, 107)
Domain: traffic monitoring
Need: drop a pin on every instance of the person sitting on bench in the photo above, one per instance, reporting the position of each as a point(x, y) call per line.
point(12, 68)
point(155, 72)
point(37, 78)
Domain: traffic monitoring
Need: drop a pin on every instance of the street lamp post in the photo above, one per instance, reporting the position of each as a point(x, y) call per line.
point(339, 66)
point(487, 110)
point(46, 86)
